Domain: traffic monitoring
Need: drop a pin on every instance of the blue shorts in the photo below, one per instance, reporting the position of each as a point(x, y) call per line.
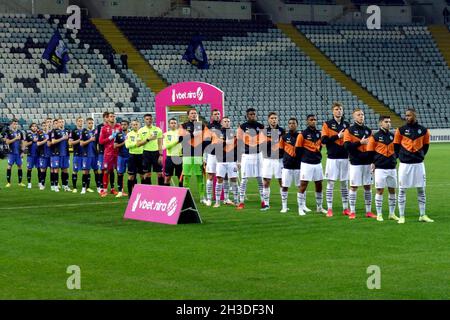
point(65, 162)
point(14, 159)
point(122, 164)
point(57, 162)
point(32, 162)
point(89, 163)
point(100, 161)
point(77, 163)
point(44, 162)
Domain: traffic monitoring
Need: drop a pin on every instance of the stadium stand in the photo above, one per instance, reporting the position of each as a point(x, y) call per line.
point(30, 88)
point(254, 63)
point(400, 65)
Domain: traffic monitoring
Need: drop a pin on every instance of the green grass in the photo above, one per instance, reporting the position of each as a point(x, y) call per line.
point(232, 255)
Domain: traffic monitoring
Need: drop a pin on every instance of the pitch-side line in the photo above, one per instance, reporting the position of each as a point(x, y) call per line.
point(62, 205)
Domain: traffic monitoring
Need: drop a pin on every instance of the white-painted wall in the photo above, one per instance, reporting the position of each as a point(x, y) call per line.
point(281, 12)
point(40, 6)
point(106, 9)
point(392, 14)
point(221, 10)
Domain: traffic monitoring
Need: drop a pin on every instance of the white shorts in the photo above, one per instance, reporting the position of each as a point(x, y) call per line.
point(360, 175)
point(227, 168)
point(411, 175)
point(385, 178)
point(337, 169)
point(272, 168)
point(288, 176)
point(311, 172)
point(251, 165)
point(211, 163)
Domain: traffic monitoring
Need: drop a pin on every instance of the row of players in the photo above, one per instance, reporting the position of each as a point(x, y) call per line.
point(290, 156)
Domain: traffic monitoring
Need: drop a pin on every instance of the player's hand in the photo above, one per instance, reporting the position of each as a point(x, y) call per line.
point(35, 140)
point(341, 134)
point(364, 140)
point(66, 137)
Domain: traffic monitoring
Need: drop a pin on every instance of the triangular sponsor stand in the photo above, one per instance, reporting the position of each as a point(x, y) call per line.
point(162, 204)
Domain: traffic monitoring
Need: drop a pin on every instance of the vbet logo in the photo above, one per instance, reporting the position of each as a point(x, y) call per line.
point(198, 94)
point(169, 207)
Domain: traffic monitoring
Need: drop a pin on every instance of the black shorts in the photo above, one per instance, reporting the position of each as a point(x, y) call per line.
point(135, 164)
point(150, 162)
point(170, 167)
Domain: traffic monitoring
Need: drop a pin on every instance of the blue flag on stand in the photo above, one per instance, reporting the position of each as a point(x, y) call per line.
point(57, 53)
point(195, 53)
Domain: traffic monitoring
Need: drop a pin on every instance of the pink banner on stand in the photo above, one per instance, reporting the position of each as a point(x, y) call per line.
point(162, 204)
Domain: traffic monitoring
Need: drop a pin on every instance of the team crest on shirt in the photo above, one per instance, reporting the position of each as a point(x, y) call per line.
point(367, 132)
point(317, 135)
point(419, 131)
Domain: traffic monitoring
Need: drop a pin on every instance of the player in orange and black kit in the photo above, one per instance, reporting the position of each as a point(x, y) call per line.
point(381, 145)
point(308, 147)
point(411, 144)
point(336, 168)
point(249, 152)
point(291, 163)
point(356, 139)
point(191, 136)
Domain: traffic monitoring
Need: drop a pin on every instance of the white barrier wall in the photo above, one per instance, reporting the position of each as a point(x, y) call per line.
point(221, 10)
point(40, 6)
point(439, 135)
point(107, 9)
point(281, 12)
point(392, 14)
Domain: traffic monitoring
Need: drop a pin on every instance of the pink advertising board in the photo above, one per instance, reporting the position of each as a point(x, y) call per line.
point(187, 93)
point(162, 204)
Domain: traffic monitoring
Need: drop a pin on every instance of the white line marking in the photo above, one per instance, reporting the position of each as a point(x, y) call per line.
point(63, 205)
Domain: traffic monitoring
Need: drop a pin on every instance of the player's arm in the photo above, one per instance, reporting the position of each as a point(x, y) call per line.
point(118, 143)
point(141, 139)
point(349, 144)
point(42, 142)
point(72, 141)
point(9, 140)
point(299, 146)
point(28, 141)
point(397, 142)
point(169, 144)
point(371, 147)
point(329, 136)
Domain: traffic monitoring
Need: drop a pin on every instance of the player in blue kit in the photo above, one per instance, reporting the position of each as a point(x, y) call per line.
point(89, 155)
point(14, 138)
point(57, 138)
point(31, 139)
point(122, 160)
point(65, 157)
point(74, 141)
point(44, 152)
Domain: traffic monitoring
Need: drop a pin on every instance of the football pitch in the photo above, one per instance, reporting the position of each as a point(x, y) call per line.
point(233, 255)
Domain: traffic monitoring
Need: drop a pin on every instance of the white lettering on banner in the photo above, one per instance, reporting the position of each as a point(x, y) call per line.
point(198, 94)
point(169, 208)
point(374, 21)
point(74, 20)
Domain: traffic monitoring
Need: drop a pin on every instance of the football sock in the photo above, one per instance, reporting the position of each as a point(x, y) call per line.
point(105, 180)
point(379, 204)
point(8, 175)
point(130, 186)
point(401, 201)
point(421, 198)
point(243, 189)
point(74, 180)
point(319, 199)
point(209, 189)
point(65, 178)
point(19, 173)
point(368, 200)
point(98, 180)
point(301, 200)
point(88, 180)
point(29, 175)
point(226, 189)
point(260, 187)
point(284, 199)
point(201, 186)
point(111, 179)
point(235, 190)
point(329, 194)
point(266, 195)
point(352, 200)
point(392, 203)
point(219, 188)
point(344, 194)
point(84, 180)
point(120, 182)
point(186, 181)
point(160, 180)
